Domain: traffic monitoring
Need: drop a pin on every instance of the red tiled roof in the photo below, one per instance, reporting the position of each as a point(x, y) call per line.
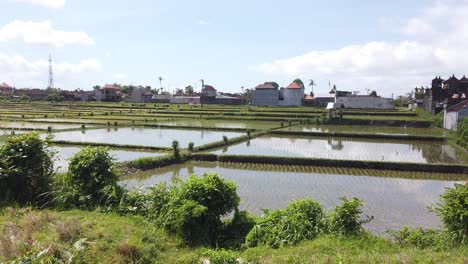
point(294, 85)
point(458, 106)
point(264, 86)
point(112, 87)
point(4, 86)
point(308, 97)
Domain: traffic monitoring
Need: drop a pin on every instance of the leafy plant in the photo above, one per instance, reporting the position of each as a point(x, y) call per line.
point(301, 220)
point(453, 210)
point(26, 169)
point(346, 218)
point(190, 146)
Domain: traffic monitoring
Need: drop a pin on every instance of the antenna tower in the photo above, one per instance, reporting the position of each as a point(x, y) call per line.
point(51, 73)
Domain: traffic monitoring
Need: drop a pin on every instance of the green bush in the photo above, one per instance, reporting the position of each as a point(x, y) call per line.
point(145, 202)
point(418, 237)
point(175, 148)
point(190, 146)
point(236, 229)
point(453, 211)
point(462, 132)
point(194, 209)
point(300, 220)
point(91, 180)
point(26, 170)
point(346, 218)
point(219, 256)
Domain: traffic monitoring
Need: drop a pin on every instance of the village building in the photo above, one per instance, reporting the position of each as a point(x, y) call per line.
point(269, 95)
point(349, 100)
point(109, 93)
point(140, 95)
point(454, 114)
point(32, 94)
point(161, 98)
point(443, 93)
point(6, 90)
point(323, 99)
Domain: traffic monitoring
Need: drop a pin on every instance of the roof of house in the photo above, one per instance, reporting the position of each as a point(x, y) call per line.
point(295, 85)
point(308, 97)
point(464, 79)
point(112, 87)
point(458, 107)
point(4, 85)
point(265, 86)
point(32, 91)
point(209, 88)
point(453, 78)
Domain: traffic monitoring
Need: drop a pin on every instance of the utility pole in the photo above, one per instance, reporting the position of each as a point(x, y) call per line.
point(51, 74)
point(202, 86)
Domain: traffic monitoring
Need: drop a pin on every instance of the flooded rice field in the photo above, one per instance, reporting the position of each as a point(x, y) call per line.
point(220, 123)
point(35, 125)
point(391, 198)
point(437, 132)
point(157, 137)
point(64, 154)
point(349, 149)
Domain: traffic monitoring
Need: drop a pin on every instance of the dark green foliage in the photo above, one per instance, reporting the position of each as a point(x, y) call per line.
point(346, 218)
point(175, 148)
point(248, 133)
point(453, 211)
point(190, 146)
point(155, 162)
point(226, 140)
point(236, 229)
point(26, 170)
point(194, 208)
point(91, 180)
point(300, 220)
point(145, 202)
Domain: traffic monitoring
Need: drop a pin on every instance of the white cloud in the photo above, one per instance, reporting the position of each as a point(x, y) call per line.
point(435, 44)
point(46, 3)
point(21, 72)
point(41, 33)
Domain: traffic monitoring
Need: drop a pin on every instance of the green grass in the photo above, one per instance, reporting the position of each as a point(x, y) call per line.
point(111, 238)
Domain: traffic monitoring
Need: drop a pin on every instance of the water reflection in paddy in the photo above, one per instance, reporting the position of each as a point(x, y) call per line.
point(220, 123)
point(36, 125)
point(145, 136)
point(393, 201)
point(350, 149)
point(64, 154)
point(428, 131)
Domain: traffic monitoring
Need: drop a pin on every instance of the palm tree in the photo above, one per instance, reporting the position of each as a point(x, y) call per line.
point(160, 81)
point(312, 84)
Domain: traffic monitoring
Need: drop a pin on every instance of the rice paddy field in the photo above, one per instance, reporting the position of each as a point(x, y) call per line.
point(395, 198)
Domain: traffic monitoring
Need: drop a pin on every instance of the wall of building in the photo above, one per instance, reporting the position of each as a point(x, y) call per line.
point(451, 118)
point(365, 102)
point(265, 97)
point(292, 97)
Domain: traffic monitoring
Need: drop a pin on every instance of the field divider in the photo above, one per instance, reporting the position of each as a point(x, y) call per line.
point(377, 165)
point(231, 141)
point(357, 135)
point(95, 144)
point(227, 129)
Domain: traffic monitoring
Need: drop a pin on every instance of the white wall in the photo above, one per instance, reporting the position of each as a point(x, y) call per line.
point(365, 102)
point(451, 118)
point(292, 97)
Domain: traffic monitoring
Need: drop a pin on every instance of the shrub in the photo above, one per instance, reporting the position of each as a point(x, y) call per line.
point(462, 132)
point(236, 229)
point(219, 256)
point(453, 211)
point(225, 140)
point(418, 237)
point(190, 146)
point(175, 148)
point(194, 208)
point(346, 218)
point(300, 220)
point(147, 203)
point(26, 169)
point(91, 180)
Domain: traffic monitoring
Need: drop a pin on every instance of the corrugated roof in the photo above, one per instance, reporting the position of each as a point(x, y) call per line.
point(457, 107)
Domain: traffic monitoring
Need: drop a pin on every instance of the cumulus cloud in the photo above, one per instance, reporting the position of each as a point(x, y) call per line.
point(22, 72)
point(433, 43)
point(41, 33)
point(46, 3)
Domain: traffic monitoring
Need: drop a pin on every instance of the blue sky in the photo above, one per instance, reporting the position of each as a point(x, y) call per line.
point(388, 46)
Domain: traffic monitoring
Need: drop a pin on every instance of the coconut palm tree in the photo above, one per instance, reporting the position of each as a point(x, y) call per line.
point(160, 81)
point(312, 84)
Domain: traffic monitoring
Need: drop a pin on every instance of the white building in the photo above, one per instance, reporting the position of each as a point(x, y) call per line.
point(351, 100)
point(453, 114)
point(140, 95)
point(269, 95)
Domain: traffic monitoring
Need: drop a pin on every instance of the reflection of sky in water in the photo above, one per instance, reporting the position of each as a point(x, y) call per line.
point(345, 149)
point(220, 123)
point(393, 202)
point(64, 154)
point(367, 129)
point(34, 125)
point(145, 136)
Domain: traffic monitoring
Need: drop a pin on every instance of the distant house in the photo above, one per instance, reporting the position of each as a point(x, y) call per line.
point(183, 99)
point(5, 89)
point(161, 98)
point(268, 94)
point(33, 94)
point(84, 96)
point(67, 95)
point(454, 113)
point(209, 95)
point(109, 93)
point(354, 101)
point(324, 99)
point(140, 95)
